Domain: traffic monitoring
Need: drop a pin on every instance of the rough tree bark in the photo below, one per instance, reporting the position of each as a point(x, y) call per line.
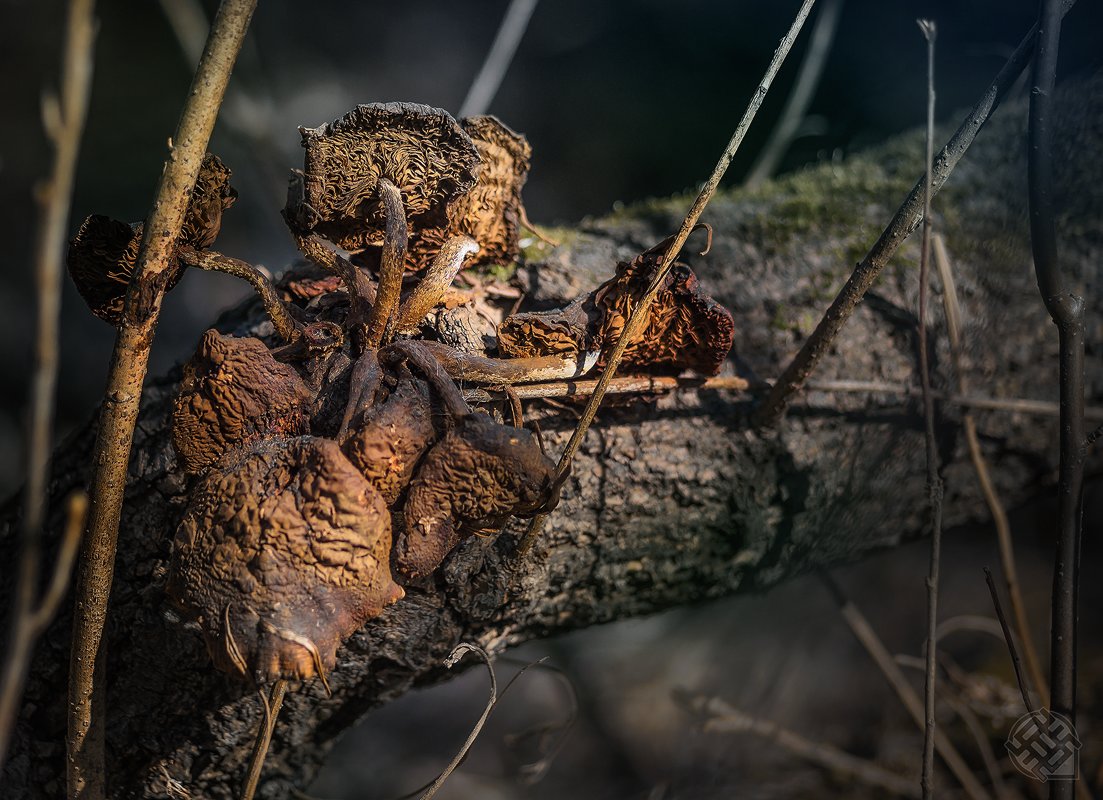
point(671, 502)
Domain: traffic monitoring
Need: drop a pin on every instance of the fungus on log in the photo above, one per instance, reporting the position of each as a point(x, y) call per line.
point(283, 552)
point(234, 392)
point(474, 479)
point(103, 254)
point(686, 329)
point(491, 213)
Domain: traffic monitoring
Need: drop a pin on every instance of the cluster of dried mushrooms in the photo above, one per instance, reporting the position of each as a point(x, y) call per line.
point(340, 461)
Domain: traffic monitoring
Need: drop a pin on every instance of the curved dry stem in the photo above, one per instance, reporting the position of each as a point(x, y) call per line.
point(422, 357)
point(392, 266)
point(288, 328)
point(429, 292)
point(264, 738)
point(505, 371)
point(363, 383)
point(119, 414)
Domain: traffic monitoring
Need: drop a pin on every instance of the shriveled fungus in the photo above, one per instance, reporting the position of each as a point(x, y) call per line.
point(283, 552)
point(475, 478)
point(686, 329)
point(421, 150)
point(491, 213)
point(103, 254)
point(234, 392)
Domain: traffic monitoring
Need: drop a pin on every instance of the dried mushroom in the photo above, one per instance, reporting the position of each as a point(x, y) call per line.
point(234, 392)
point(475, 478)
point(492, 212)
point(283, 552)
point(685, 329)
point(421, 150)
point(388, 442)
point(101, 263)
point(103, 254)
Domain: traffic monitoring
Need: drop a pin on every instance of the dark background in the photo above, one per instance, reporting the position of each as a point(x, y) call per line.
point(621, 101)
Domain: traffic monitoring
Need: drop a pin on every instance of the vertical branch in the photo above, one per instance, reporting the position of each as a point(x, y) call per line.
point(934, 479)
point(637, 320)
point(119, 413)
point(984, 477)
point(1067, 311)
point(64, 121)
point(906, 220)
point(804, 87)
point(498, 58)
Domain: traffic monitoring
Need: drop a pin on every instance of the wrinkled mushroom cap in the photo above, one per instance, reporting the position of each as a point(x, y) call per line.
point(492, 211)
point(686, 329)
point(101, 263)
point(283, 552)
point(421, 150)
point(476, 477)
point(392, 438)
point(103, 254)
point(233, 392)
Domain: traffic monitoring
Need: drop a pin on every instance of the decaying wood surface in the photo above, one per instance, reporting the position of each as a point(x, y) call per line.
point(670, 502)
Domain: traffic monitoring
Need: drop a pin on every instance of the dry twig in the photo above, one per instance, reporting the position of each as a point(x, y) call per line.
point(119, 413)
point(63, 117)
point(498, 58)
point(638, 319)
point(865, 634)
point(906, 220)
point(934, 478)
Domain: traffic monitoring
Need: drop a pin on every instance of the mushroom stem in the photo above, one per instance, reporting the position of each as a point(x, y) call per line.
point(446, 265)
point(289, 328)
point(504, 371)
point(380, 321)
point(363, 383)
point(361, 289)
point(420, 355)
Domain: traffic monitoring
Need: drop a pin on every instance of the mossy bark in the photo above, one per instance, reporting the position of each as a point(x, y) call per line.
point(670, 502)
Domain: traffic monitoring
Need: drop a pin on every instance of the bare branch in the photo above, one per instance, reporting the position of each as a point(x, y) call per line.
point(124, 389)
point(64, 119)
point(633, 328)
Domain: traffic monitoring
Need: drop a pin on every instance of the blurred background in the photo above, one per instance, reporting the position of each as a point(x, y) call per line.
point(621, 101)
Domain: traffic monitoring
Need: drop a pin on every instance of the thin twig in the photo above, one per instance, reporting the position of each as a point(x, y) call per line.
point(980, 465)
point(498, 58)
point(934, 478)
point(721, 717)
point(36, 619)
point(1067, 311)
point(639, 316)
point(459, 652)
point(272, 705)
point(804, 87)
point(85, 741)
point(1016, 662)
point(63, 115)
point(906, 220)
point(865, 634)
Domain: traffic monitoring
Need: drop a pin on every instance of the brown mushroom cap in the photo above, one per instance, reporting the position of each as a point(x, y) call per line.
point(101, 263)
point(686, 329)
point(421, 150)
point(283, 552)
point(476, 477)
point(103, 254)
point(233, 392)
point(387, 445)
point(492, 211)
